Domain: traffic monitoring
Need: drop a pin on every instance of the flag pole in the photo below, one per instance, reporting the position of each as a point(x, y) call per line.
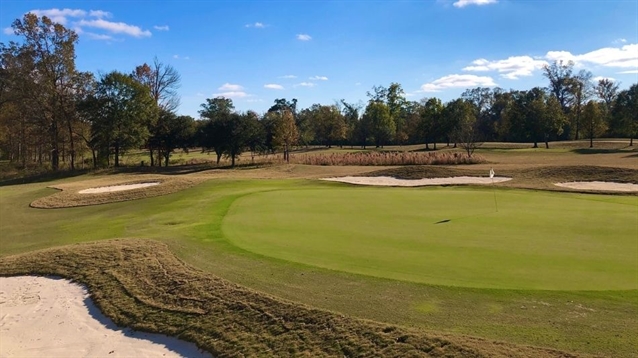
point(493, 189)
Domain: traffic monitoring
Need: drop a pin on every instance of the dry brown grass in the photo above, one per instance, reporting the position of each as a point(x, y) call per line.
point(142, 285)
point(388, 158)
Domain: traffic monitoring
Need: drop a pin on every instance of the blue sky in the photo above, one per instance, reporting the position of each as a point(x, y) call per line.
point(322, 51)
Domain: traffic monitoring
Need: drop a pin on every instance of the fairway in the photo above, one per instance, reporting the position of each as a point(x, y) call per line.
point(447, 236)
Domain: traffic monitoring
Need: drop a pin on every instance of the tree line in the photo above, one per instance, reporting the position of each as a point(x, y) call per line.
point(52, 114)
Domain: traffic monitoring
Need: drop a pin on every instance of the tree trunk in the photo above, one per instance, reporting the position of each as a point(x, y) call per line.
point(631, 141)
point(232, 160)
point(117, 154)
point(150, 149)
point(72, 143)
point(535, 144)
point(434, 145)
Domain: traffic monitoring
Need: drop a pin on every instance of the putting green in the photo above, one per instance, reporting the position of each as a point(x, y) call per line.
point(447, 236)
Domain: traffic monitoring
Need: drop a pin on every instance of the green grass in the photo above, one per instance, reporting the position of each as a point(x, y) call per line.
point(535, 241)
point(192, 223)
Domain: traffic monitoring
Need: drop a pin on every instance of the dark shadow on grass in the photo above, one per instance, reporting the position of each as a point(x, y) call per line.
point(443, 221)
point(43, 177)
point(600, 150)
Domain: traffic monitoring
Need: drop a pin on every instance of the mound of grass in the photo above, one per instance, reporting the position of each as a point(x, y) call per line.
point(69, 195)
point(140, 284)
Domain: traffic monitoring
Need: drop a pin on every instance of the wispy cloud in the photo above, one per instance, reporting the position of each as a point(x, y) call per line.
point(161, 28)
point(628, 72)
point(102, 37)
point(464, 3)
point(304, 37)
point(79, 19)
point(257, 25)
point(8, 31)
point(99, 13)
point(458, 81)
point(230, 87)
point(178, 57)
point(115, 27)
point(318, 78)
point(619, 41)
point(305, 84)
point(59, 15)
point(274, 86)
point(288, 76)
point(232, 94)
point(511, 68)
point(621, 57)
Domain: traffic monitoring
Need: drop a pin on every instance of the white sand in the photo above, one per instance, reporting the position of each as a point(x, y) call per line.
point(599, 185)
point(46, 317)
point(390, 181)
point(108, 189)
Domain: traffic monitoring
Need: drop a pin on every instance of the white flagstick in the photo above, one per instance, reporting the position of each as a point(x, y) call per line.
point(493, 190)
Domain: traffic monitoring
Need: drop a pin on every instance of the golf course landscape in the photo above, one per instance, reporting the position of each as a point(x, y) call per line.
point(269, 260)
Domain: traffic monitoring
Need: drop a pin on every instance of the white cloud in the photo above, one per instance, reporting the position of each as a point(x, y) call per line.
point(619, 41)
point(458, 81)
point(274, 86)
point(305, 84)
point(258, 25)
point(464, 3)
point(8, 31)
point(59, 15)
point(288, 76)
point(621, 57)
point(93, 36)
point(304, 37)
point(232, 94)
point(358, 84)
point(161, 28)
point(116, 27)
point(598, 78)
point(318, 78)
point(178, 57)
point(253, 100)
point(99, 13)
point(511, 68)
point(230, 87)
point(628, 72)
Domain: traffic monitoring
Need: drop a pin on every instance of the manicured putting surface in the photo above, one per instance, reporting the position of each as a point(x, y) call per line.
point(447, 236)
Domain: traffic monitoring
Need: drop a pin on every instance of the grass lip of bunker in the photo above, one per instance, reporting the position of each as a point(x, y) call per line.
point(112, 188)
point(599, 185)
point(391, 181)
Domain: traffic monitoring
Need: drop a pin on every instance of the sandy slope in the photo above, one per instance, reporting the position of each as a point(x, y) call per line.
point(599, 185)
point(112, 188)
point(46, 317)
point(390, 181)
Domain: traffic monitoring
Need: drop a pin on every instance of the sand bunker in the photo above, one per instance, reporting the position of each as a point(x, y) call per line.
point(109, 189)
point(599, 185)
point(390, 181)
point(45, 317)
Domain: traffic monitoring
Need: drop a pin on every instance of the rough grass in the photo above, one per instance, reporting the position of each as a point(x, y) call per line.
point(142, 285)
